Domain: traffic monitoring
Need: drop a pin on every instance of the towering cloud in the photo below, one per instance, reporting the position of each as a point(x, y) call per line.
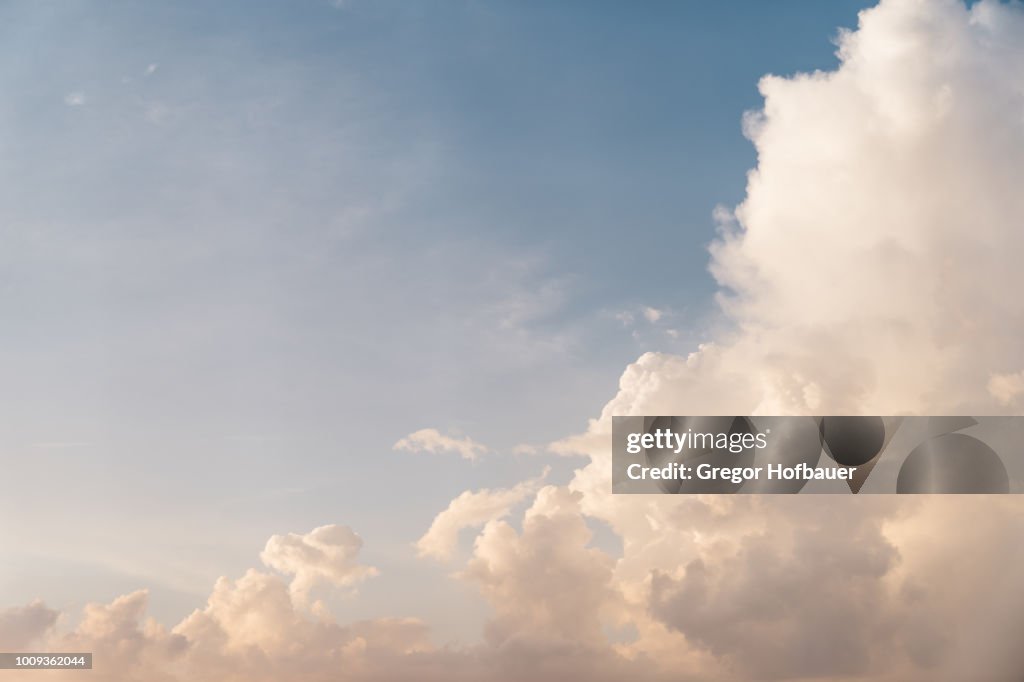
point(872, 264)
point(872, 268)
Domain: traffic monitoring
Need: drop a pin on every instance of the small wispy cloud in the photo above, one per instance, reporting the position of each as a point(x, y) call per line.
point(74, 99)
point(432, 440)
point(652, 315)
point(1006, 387)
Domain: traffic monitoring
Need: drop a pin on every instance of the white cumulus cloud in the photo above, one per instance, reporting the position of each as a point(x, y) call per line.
point(325, 555)
point(472, 509)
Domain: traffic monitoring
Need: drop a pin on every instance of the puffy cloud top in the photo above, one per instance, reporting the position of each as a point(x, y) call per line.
point(324, 555)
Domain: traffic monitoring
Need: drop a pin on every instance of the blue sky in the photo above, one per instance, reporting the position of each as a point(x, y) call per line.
point(247, 247)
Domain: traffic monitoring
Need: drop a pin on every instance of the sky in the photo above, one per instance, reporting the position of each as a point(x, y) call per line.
point(248, 248)
point(347, 293)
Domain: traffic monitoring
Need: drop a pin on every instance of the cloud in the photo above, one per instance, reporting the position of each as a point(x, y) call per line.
point(432, 440)
point(472, 510)
point(527, 449)
point(325, 555)
point(869, 269)
point(21, 626)
point(252, 628)
point(649, 313)
point(1006, 387)
point(74, 99)
point(801, 597)
point(545, 583)
point(652, 315)
point(866, 289)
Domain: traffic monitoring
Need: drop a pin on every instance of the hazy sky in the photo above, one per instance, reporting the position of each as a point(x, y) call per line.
point(247, 247)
